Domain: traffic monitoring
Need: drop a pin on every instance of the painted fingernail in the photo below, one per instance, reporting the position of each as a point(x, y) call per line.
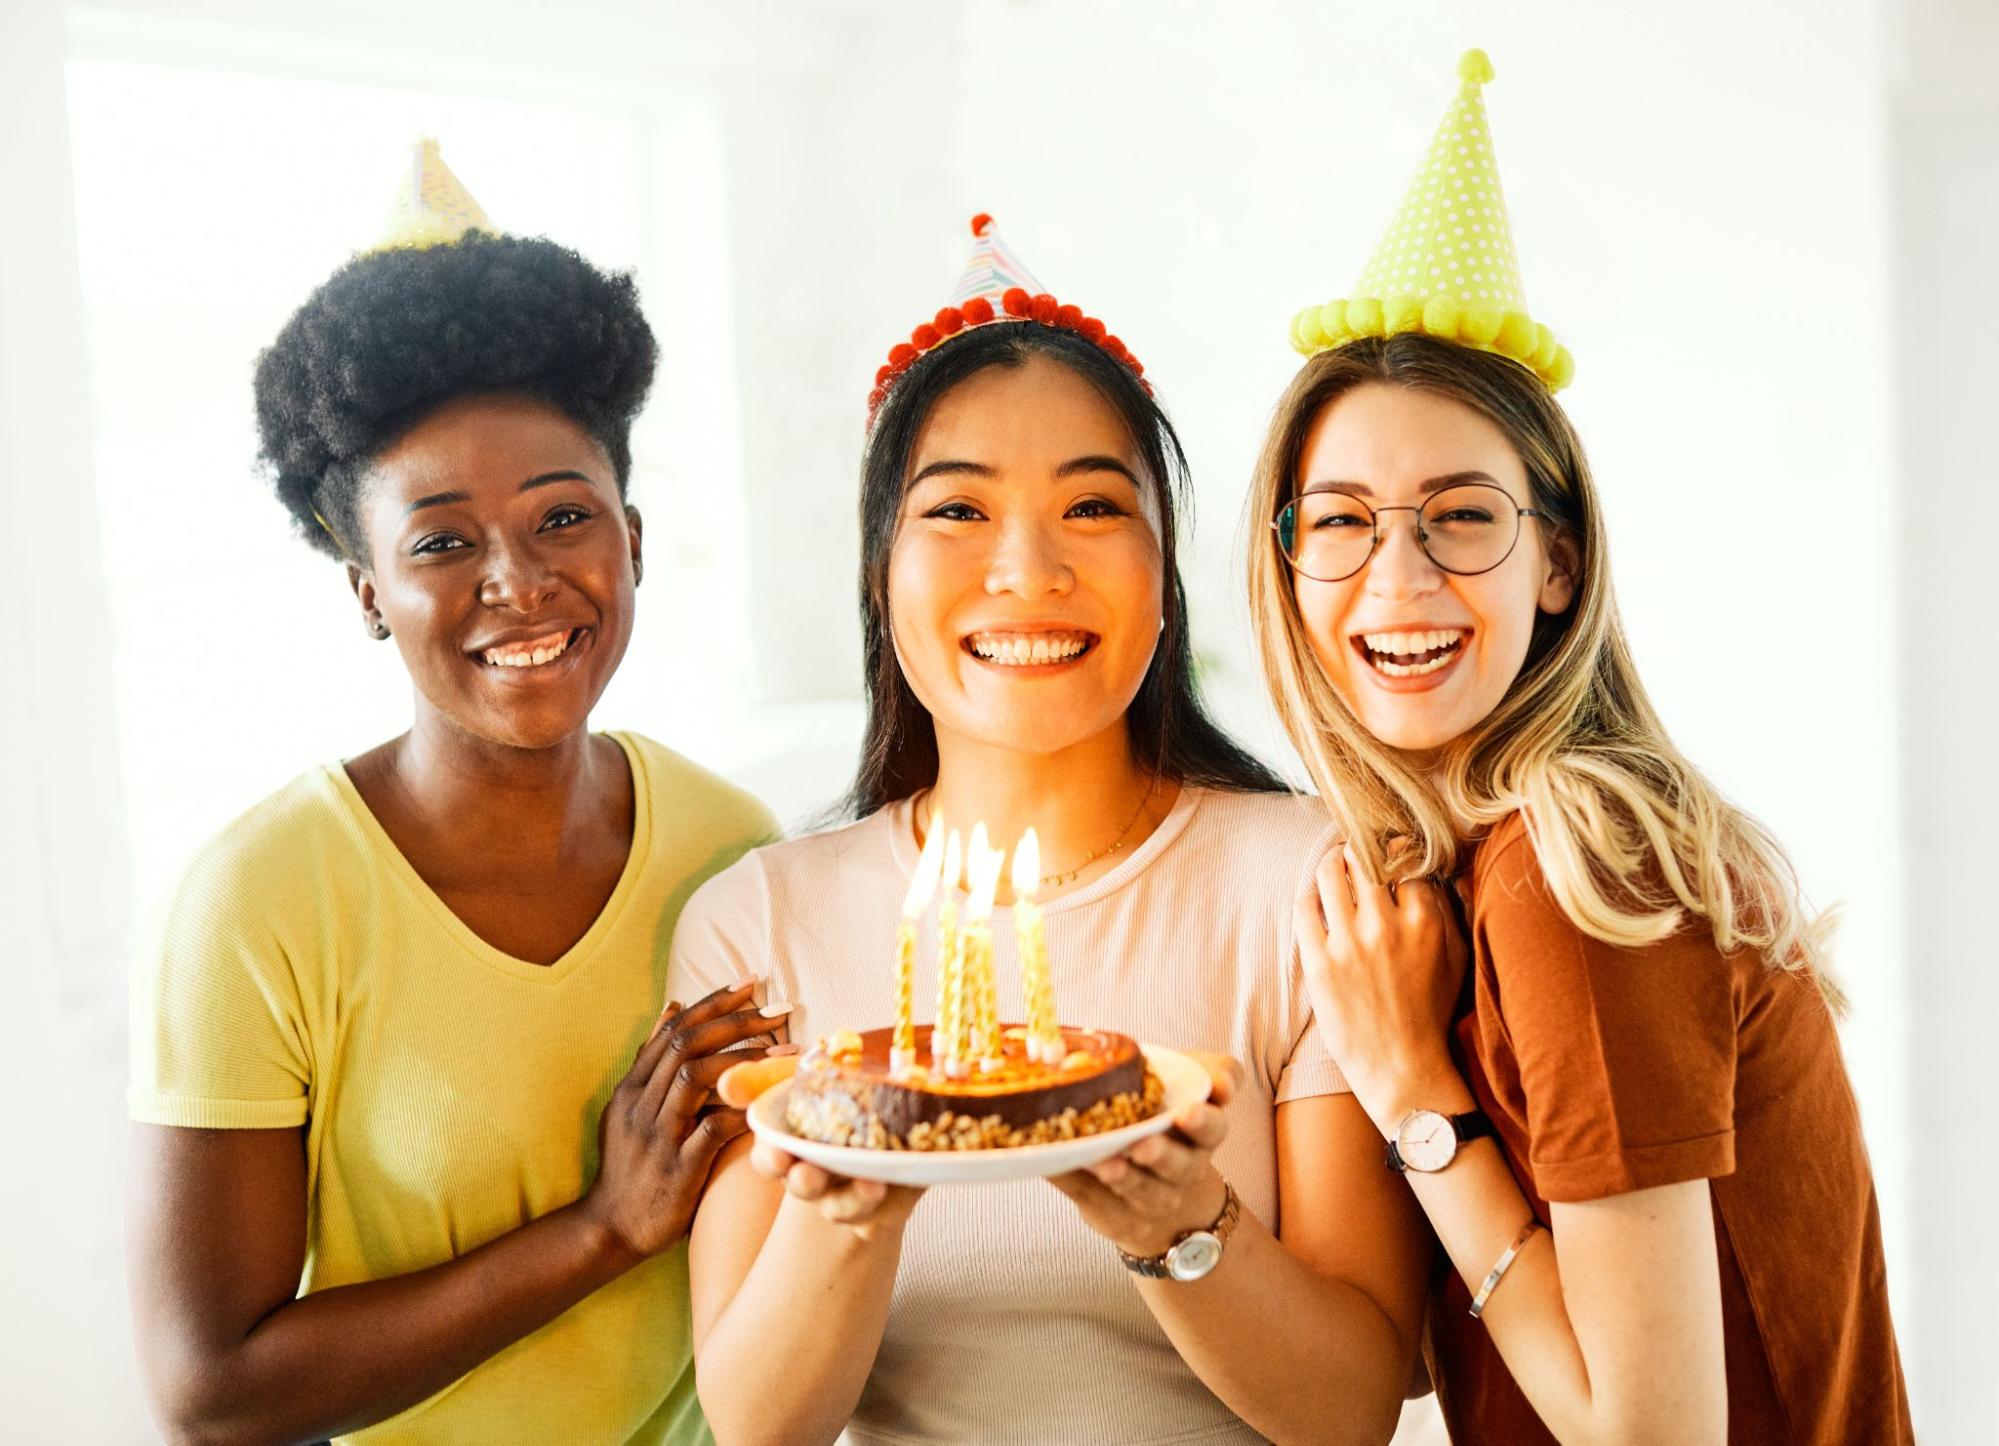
point(746, 982)
point(775, 1011)
point(777, 1049)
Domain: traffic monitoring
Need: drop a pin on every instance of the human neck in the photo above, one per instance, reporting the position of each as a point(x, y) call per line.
point(532, 798)
point(1076, 800)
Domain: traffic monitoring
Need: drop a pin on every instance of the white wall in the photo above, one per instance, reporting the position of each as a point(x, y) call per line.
point(64, 882)
point(1703, 204)
point(1945, 137)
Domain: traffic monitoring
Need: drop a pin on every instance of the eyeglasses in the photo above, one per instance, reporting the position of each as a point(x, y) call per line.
point(1467, 529)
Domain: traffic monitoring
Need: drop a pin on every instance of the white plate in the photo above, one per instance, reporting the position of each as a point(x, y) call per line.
point(1186, 1083)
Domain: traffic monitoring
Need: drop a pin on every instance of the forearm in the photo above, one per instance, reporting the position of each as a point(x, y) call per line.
point(339, 1359)
point(1477, 1208)
point(1297, 1354)
point(816, 1300)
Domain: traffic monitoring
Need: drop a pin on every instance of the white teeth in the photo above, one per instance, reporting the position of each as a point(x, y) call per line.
point(1408, 645)
point(517, 656)
point(1016, 650)
point(1410, 670)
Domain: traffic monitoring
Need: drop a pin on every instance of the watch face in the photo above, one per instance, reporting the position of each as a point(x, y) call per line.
point(1426, 1140)
point(1195, 1256)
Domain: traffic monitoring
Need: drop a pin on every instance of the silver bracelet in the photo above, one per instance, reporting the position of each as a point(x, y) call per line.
point(1500, 1267)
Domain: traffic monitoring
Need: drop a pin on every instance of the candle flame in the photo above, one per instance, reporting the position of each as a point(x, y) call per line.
point(954, 853)
point(1027, 866)
point(985, 865)
point(929, 865)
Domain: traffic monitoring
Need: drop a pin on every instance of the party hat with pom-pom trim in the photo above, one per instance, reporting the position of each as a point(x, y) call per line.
point(993, 287)
point(1446, 265)
point(431, 206)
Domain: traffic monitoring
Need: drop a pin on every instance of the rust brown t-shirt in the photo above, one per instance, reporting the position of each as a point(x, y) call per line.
point(1608, 1070)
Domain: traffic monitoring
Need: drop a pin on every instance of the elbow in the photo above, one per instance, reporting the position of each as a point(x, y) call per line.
point(190, 1411)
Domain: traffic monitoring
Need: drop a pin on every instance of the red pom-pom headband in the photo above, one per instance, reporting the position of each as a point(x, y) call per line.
point(1015, 305)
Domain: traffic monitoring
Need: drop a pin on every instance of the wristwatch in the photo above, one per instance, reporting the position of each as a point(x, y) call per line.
point(1428, 1141)
point(1196, 1252)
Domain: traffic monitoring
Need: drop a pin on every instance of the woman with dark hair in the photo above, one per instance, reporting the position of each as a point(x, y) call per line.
point(1027, 653)
point(392, 1177)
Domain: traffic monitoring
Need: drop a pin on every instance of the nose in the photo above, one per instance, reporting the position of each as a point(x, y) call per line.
point(1028, 561)
point(1400, 569)
point(517, 578)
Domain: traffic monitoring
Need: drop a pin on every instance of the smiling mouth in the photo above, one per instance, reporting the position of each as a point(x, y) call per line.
point(532, 652)
point(1410, 655)
point(1029, 650)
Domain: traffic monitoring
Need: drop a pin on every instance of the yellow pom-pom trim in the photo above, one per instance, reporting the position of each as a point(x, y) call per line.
point(1486, 328)
point(1562, 372)
point(1442, 317)
point(1475, 67)
point(1305, 332)
point(1480, 326)
point(1516, 336)
point(1544, 350)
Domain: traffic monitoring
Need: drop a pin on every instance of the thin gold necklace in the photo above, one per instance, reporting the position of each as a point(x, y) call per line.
point(1069, 875)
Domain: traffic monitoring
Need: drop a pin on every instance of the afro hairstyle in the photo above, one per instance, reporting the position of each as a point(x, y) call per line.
point(393, 335)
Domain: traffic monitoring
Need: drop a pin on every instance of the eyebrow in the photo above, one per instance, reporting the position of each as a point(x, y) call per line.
point(1434, 484)
point(544, 479)
point(1074, 467)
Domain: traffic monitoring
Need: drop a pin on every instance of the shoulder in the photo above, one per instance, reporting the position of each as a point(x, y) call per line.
point(1281, 836)
point(269, 855)
point(1267, 824)
point(1506, 867)
point(695, 798)
point(807, 867)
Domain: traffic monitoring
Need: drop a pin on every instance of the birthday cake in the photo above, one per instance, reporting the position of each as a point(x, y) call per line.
point(849, 1091)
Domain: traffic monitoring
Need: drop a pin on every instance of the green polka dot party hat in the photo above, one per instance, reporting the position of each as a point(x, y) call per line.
point(1446, 265)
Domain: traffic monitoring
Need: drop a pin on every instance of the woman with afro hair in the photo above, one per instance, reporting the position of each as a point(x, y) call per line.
point(415, 1148)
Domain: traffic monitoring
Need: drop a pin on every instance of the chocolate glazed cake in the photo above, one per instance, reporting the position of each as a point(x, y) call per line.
point(843, 1094)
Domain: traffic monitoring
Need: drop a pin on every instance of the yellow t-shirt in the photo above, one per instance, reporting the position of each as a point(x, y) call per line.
point(449, 1092)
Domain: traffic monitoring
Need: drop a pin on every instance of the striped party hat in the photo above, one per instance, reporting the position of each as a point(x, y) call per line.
point(993, 287)
point(431, 205)
point(1446, 265)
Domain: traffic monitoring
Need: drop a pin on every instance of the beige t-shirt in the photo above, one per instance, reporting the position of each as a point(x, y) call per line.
point(1011, 1320)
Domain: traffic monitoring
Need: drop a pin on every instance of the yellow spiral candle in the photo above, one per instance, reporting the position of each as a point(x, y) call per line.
point(1044, 1034)
point(903, 1052)
point(922, 884)
point(948, 962)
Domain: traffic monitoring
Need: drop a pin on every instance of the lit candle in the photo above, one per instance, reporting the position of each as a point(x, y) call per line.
point(981, 1041)
point(929, 864)
point(1044, 1033)
point(948, 983)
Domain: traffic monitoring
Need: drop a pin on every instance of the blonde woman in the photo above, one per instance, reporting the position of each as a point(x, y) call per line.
point(1630, 1126)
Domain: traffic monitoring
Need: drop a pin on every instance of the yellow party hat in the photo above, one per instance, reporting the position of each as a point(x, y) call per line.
point(1446, 266)
point(432, 206)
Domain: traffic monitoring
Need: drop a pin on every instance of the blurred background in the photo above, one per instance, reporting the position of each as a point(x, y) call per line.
point(1766, 228)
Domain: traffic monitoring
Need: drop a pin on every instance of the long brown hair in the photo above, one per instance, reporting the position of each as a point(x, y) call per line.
point(1630, 836)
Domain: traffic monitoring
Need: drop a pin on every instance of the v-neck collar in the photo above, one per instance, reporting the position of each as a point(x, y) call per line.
point(577, 953)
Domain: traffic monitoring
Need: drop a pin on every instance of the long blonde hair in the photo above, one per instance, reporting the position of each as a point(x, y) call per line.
point(1630, 836)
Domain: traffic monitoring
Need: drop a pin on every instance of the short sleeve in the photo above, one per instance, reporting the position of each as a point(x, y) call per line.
point(219, 1036)
point(1625, 1056)
point(1309, 1069)
point(723, 933)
